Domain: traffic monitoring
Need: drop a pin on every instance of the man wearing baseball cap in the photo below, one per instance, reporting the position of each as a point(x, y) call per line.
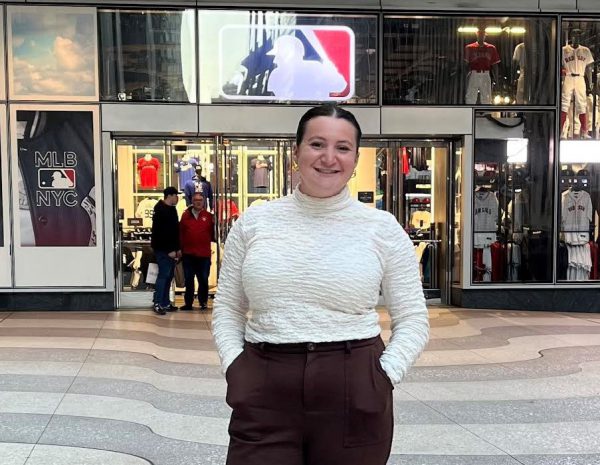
point(165, 243)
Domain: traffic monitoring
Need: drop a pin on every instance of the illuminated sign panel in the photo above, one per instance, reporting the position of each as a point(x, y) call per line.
point(288, 63)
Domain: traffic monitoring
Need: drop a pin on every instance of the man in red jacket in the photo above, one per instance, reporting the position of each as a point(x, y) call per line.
point(197, 231)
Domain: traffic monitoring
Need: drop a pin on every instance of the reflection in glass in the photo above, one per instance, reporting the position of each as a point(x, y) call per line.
point(269, 56)
point(512, 198)
point(148, 55)
point(52, 52)
point(579, 189)
point(463, 60)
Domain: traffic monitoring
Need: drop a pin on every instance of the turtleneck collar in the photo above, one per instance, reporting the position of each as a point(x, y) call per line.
point(318, 205)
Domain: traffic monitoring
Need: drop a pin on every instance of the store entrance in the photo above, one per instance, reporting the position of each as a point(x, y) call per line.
point(408, 178)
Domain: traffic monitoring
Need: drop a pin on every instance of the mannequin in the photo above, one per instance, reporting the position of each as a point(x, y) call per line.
point(199, 183)
point(482, 59)
point(260, 167)
point(576, 59)
point(185, 168)
point(520, 60)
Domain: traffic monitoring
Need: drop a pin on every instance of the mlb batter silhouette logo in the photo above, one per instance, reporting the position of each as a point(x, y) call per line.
point(298, 63)
point(56, 179)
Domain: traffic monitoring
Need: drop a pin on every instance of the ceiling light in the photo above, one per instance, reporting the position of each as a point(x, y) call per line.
point(493, 30)
point(468, 29)
point(517, 30)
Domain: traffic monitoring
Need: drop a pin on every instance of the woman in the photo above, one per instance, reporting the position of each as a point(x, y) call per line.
point(309, 378)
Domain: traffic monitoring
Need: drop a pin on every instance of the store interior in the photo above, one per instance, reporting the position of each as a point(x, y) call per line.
point(408, 179)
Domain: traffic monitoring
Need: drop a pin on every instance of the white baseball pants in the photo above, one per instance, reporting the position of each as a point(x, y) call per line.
point(478, 82)
point(574, 87)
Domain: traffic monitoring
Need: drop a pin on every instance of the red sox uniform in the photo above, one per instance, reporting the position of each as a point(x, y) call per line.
point(574, 63)
point(576, 215)
point(480, 58)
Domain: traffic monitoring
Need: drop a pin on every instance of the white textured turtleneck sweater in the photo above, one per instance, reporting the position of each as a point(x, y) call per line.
point(305, 269)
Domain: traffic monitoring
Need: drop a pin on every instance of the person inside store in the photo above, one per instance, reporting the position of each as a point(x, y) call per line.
point(165, 244)
point(309, 377)
point(196, 231)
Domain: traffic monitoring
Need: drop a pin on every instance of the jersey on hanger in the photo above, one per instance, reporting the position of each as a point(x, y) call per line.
point(148, 170)
point(481, 57)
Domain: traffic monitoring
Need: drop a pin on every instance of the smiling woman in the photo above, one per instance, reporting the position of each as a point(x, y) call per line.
point(309, 378)
point(326, 150)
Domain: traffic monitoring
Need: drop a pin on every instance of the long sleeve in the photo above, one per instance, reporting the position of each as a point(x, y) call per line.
point(231, 303)
point(403, 294)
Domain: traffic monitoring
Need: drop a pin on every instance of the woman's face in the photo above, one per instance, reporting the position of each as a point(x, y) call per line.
point(326, 156)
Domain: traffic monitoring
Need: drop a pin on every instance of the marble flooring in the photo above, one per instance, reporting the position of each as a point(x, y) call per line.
point(134, 388)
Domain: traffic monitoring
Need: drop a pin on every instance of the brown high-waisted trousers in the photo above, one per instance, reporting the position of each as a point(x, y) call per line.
point(310, 404)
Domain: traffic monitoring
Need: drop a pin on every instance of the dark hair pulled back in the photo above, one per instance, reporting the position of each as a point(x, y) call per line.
point(327, 109)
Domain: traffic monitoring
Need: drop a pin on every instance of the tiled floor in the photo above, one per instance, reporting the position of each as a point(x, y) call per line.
point(133, 388)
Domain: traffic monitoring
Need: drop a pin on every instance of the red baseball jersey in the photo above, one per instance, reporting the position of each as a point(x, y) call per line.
point(481, 57)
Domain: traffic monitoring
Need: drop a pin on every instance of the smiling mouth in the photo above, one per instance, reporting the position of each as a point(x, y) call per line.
point(326, 171)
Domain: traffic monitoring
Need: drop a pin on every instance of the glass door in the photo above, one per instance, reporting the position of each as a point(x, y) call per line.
point(423, 180)
point(144, 168)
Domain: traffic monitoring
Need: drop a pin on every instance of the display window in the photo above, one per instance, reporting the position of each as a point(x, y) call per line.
point(512, 197)
point(579, 207)
point(272, 57)
point(148, 55)
point(145, 167)
point(579, 91)
point(468, 60)
point(52, 53)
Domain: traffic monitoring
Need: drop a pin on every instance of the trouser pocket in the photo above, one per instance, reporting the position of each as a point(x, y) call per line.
point(368, 413)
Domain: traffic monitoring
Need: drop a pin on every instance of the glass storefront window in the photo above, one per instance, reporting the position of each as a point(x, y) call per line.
point(468, 60)
point(281, 57)
point(579, 106)
point(52, 53)
point(512, 198)
point(579, 197)
point(148, 55)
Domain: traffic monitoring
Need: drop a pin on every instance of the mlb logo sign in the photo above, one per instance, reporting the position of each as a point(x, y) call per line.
point(52, 178)
point(290, 63)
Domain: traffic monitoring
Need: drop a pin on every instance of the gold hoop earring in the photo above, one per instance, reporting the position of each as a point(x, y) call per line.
point(353, 174)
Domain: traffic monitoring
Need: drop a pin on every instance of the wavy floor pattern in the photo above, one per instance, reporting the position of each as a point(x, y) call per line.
point(133, 388)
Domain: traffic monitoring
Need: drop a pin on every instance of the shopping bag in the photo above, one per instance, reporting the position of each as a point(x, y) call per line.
point(152, 273)
point(179, 275)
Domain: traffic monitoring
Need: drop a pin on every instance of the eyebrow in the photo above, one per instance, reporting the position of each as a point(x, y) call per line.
point(344, 141)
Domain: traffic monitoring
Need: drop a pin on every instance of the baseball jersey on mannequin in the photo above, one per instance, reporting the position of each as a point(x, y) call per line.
point(145, 210)
point(519, 58)
point(485, 211)
point(576, 216)
point(148, 167)
point(574, 64)
point(198, 183)
point(480, 57)
point(185, 169)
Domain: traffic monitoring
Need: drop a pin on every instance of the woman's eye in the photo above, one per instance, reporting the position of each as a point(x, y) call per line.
point(316, 145)
point(343, 149)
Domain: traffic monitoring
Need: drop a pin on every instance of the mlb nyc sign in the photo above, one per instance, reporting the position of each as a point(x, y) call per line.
point(288, 63)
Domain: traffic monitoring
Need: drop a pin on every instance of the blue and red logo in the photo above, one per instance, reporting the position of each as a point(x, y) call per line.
point(289, 63)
